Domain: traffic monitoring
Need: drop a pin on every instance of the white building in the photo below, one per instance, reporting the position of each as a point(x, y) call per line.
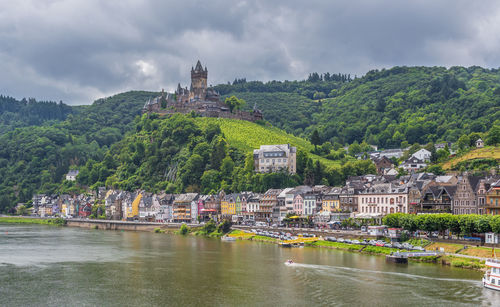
point(382, 199)
point(310, 204)
point(272, 158)
point(71, 175)
point(491, 238)
point(413, 164)
point(423, 154)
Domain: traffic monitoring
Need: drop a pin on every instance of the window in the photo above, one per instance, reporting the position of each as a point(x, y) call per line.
point(284, 160)
point(279, 160)
point(267, 160)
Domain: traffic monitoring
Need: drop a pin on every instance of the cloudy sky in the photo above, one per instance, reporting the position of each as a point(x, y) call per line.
point(77, 51)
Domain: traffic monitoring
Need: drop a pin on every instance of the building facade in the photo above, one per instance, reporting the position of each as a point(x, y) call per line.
point(273, 158)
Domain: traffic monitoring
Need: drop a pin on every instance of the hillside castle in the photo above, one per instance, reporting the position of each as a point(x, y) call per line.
point(199, 98)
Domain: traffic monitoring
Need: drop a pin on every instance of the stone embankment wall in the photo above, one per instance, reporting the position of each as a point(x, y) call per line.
point(122, 225)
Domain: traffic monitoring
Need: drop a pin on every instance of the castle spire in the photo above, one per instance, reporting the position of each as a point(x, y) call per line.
point(198, 66)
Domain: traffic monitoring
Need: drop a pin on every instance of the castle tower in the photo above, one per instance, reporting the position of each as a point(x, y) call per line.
point(199, 82)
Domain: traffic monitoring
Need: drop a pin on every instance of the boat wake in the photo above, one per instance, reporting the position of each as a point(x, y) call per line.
point(374, 272)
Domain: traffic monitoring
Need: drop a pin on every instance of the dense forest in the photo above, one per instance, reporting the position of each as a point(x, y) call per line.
point(29, 112)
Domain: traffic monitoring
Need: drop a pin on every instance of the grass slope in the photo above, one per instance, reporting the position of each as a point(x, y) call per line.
point(247, 136)
point(488, 152)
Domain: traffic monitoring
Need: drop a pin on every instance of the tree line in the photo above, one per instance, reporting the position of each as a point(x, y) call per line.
point(466, 224)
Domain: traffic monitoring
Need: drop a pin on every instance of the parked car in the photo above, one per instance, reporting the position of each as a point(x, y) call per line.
point(347, 241)
point(379, 243)
point(397, 245)
point(340, 240)
point(355, 242)
point(407, 245)
point(363, 228)
point(387, 245)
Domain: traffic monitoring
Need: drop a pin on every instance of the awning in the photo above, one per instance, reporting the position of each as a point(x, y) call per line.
point(367, 215)
point(208, 210)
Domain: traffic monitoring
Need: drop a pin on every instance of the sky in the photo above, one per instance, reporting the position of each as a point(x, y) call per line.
point(78, 51)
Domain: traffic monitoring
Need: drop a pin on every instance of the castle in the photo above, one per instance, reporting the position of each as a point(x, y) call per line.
point(199, 99)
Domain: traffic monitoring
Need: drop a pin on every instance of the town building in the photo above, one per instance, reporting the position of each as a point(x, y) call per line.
point(437, 199)
point(383, 164)
point(413, 164)
point(479, 143)
point(182, 207)
point(465, 200)
point(274, 158)
point(422, 154)
point(493, 199)
point(268, 201)
point(382, 199)
point(310, 203)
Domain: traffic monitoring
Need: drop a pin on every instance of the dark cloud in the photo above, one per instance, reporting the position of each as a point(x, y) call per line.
point(78, 51)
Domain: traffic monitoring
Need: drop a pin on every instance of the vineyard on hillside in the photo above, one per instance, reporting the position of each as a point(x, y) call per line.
point(247, 136)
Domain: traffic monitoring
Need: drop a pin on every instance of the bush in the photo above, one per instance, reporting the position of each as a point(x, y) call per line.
point(58, 221)
point(183, 230)
point(404, 236)
point(224, 227)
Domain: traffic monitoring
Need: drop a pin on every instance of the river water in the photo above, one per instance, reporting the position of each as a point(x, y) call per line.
point(62, 266)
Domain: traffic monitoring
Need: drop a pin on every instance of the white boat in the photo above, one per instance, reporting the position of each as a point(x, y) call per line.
point(288, 262)
point(227, 238)
point(491, 278)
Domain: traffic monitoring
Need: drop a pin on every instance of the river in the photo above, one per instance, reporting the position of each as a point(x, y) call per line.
point(55, 266)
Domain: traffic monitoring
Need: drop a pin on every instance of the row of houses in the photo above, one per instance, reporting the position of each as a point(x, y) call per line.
point(415, 163)
point(363, 197)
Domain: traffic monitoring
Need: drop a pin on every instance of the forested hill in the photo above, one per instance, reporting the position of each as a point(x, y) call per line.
point(29, 112)
point(35, 158)
point(385, 108)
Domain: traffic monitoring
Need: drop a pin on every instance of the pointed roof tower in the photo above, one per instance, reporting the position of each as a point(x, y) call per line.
point(198, 66)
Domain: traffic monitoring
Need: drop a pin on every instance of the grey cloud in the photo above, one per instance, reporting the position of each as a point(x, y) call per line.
point(77, 51)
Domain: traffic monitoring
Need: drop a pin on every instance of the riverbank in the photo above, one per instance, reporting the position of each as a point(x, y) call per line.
point(27, 220)
point(454, 260)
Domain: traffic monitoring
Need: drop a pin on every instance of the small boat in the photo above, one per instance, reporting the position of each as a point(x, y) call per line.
point(288, 262)
point(491, 278)
point(227, 238)
point(285, 244)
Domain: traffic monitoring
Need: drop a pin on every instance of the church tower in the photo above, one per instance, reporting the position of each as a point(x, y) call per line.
point(199, 81)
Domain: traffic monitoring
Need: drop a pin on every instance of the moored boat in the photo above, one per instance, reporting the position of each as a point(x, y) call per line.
point(227, 238)
point(491, 278)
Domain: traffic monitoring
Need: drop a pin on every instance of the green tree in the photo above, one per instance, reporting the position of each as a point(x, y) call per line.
point(22, 210)
point(315, 139)
point(493, 137)
point(234, 103)
point(184, 230)
point(495, 223)
point(210, 181)
point(227, 167)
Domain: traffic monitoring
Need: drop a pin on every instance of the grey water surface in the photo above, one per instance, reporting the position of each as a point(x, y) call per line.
point(62, 266)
